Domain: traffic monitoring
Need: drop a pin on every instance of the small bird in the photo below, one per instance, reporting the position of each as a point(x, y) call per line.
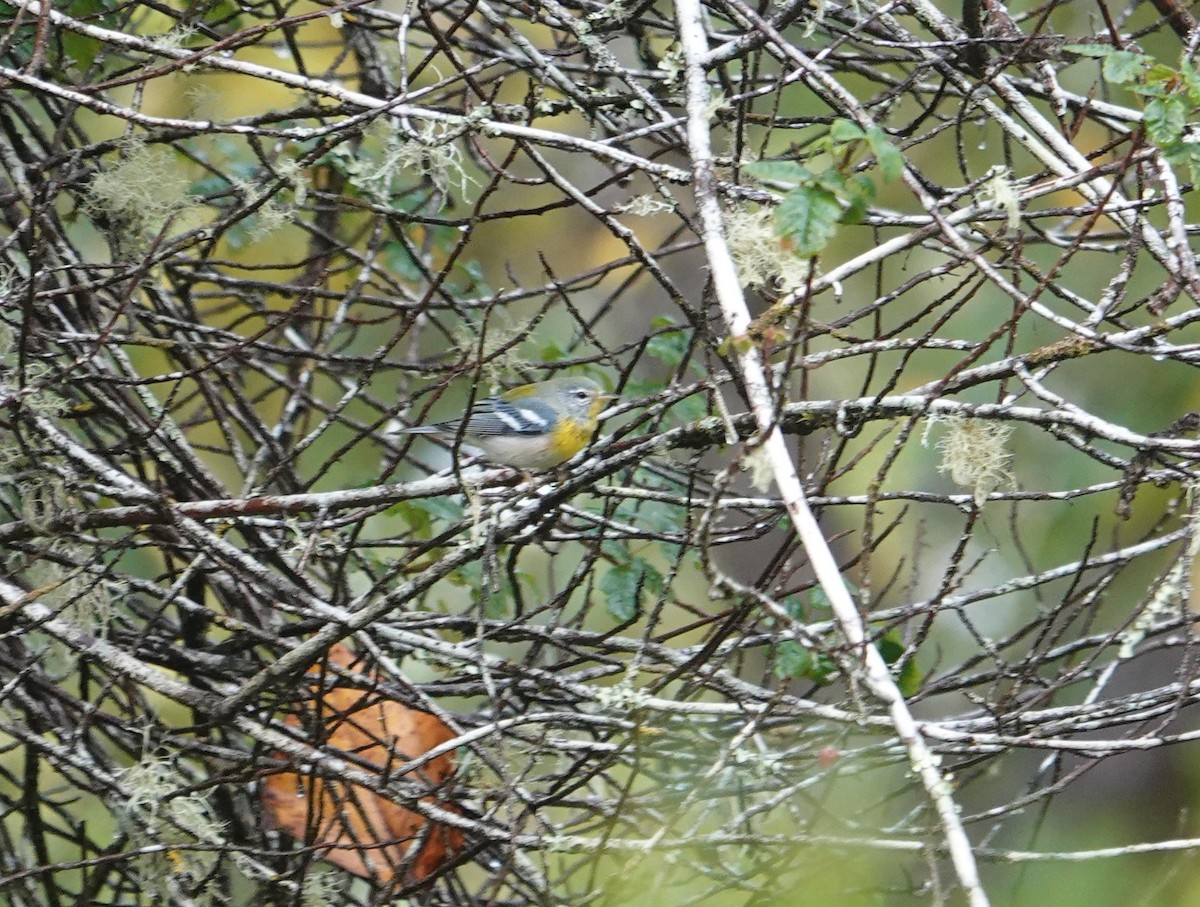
point(534, 426)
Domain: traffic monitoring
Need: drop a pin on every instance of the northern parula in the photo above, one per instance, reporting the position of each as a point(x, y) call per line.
point(534, 426)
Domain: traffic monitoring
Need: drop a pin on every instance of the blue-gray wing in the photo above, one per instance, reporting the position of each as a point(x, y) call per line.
point(495, 416)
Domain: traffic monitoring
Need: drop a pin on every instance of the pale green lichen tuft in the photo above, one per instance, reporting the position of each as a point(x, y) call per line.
point(318, 889)
point(757, 462)
point(975, 454)
point(141, 193)
point(432, 151)
point(155, 813)
point(644, 206)
point(760, 258)
point(497, 351)
point(175, 40)
point(1001, 192)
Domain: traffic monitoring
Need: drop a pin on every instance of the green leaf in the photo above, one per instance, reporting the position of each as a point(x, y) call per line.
point(96, 12)
point(444, 507)
point(1165, 119)
point(787, 172)
point(830, 180)
point(909, 681)
point(808, 217)
point(81, 50)
point(624, 585)
point(1124, 66)
point(794, 606)
point(891, 647)
point(1158, 82)
point(1185, 153)
point(473, 270)
point(807, 606)
point(670, 347)
point(858, 192)
point(855, 212)
point(444, 238)
point(791, 659)
point(496, 604)
point(468, 576)
point(818, 600)
point(658, 517)
point(845, 131)
point(1158, 74)
point(887, 155)
point(795, 661)
point(416, 519)
point(1194, 162)
point(420, 514)
point(693, 408)
point(400, 262)
point(551, 352)
point(1189, 77)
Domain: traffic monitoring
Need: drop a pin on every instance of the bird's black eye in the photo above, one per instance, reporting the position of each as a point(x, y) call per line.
point(581, 394)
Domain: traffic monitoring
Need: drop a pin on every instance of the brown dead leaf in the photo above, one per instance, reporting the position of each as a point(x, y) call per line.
point(348, 824)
